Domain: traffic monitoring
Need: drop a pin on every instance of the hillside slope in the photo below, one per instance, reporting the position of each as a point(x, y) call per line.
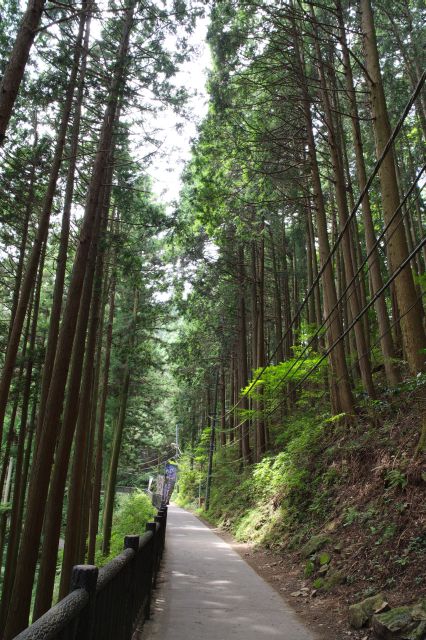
point(342, 508)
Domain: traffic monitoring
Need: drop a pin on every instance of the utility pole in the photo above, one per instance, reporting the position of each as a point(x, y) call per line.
point(212, 436)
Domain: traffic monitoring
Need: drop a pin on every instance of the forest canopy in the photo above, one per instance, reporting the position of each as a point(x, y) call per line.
point(276, 305)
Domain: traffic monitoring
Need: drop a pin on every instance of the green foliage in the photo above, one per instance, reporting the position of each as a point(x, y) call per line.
point(324, 558)
point(351, 515)
point(259, 502)
point(309, 569)
point(189, 483)
point(267, 384)
point(134, 511)
point(5, 507)
point(395, 479)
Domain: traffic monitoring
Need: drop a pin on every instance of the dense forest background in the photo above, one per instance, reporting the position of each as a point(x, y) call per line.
point(268, 330)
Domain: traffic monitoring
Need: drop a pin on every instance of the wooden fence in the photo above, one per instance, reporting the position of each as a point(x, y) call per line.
point(107, 603)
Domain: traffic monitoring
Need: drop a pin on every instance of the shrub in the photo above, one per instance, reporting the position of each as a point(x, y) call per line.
point(134, 511)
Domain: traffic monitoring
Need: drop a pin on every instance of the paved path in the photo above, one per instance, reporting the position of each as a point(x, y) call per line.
point(208, 592)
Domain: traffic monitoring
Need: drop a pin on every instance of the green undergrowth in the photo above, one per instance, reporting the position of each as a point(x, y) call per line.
point(312, 477)
point(258, 502)
point(133, 512)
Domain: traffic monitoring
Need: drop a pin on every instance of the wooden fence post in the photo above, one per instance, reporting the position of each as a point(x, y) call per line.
point(151, 567)
point(85, 576)
point(132, 542)
point(161, 519)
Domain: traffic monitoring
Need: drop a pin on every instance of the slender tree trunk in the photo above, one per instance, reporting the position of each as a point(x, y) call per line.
point(413, 333)
point(18, 59)
point(112, 474)
point(254, 305)
point(41, 236)
point(89, 475)
point(212, 442)
point(414, 71)
point(58, 291)
point(231, 420)
point(376, 280)
point(21, 596)
point(24, 234)
point(27, 457)
point(277, 301)
point(19, 488)
point(356, 247)
point(339, 380)
point(116, 445)
point(261, 359)
point(5, 499)
point(419, 202)
point(75, 512)
point(53, 513)
point(223, 406)
point(96, 496)
point(243, 371)
point(288, 342)
point(319, 342)
point(342, 208)
point(6, 466)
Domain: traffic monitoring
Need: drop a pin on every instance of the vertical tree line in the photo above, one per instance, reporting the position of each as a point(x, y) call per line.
point(298, 182)
point(79, 235)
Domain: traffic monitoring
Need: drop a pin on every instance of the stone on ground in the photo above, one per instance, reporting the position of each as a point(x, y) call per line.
point(402, 623)
point(361, 613)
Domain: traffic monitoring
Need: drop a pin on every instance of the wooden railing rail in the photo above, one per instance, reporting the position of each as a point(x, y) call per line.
point(108, 604)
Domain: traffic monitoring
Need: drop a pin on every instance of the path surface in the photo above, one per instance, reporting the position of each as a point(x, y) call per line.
point(208, 592)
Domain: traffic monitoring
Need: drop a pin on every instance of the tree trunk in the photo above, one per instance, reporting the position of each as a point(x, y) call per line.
point(261, 360)
point(41, 236)
point(339, 380)
point(243, 372)
point(413, 333)
point(232, 398)
point(75, 512)
point(96, 496)
point(6, 466)
point(58, 291)
point(319, 342)
point(53, 513)
point(277, 302)
point(18, 59)
point(222, 407)
point(19, 488)
point(21, 596)
point(116, 445)
point(288, 330)
point(89, 472)
point(342, 208)
point(24, 234)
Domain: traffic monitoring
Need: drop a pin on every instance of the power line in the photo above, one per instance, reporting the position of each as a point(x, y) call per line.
point(351, 284)
point(351, 216)
point(418, 298)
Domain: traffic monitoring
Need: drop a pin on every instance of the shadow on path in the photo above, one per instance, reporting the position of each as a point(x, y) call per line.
point(207, 592)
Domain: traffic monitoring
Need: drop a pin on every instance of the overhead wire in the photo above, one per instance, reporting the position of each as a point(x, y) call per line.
point(350, 286)
point(345, 227)
point(395, 274)
point(353, 365)
point(145, 462)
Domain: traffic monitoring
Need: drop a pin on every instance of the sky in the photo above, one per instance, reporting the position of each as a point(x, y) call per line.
point(167, 166)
